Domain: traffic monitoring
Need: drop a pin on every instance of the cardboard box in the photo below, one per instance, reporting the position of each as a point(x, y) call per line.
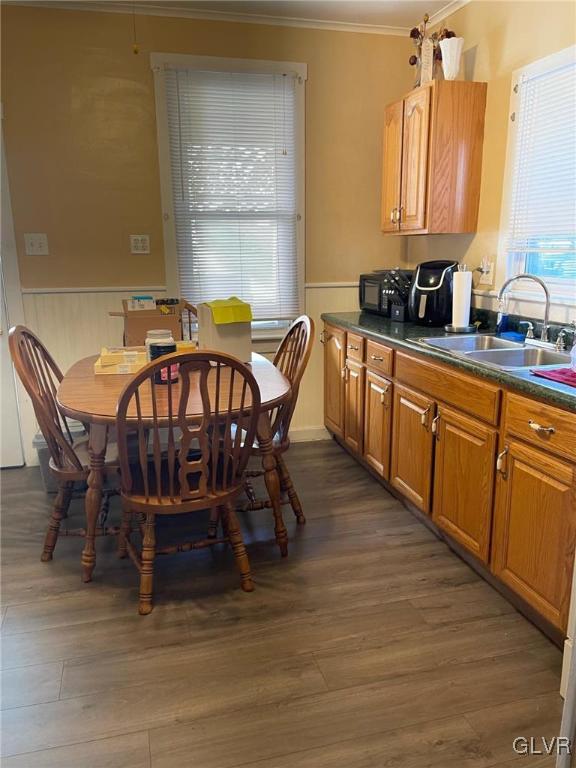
point(138, 322)
point(225, 326)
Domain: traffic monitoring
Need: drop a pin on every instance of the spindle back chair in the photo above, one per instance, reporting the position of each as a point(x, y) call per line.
point(191, 455)
point(291, 359)
point(69, 461)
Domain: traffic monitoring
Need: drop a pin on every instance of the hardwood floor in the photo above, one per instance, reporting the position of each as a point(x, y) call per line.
point(371, 646)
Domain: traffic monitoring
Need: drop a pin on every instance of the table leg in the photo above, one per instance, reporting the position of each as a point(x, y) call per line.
point(272, 480)
point(97, 452)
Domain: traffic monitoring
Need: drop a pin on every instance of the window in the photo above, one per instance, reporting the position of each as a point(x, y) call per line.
point(232, 148)
point(540, 212)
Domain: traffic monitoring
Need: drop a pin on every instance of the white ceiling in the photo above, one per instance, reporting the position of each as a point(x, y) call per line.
point(384, 16)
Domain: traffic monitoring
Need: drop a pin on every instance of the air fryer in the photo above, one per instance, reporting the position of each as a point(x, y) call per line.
point(430, 301)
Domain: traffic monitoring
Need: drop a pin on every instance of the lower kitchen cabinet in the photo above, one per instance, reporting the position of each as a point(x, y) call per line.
point(412, 446)
point(535, 529)
point(353, 405)
point(377, 423)
point(464, 479)
point(334, 360)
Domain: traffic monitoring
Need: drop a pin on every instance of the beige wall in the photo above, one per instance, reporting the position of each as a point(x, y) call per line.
point(81, 138)
point(499, 38)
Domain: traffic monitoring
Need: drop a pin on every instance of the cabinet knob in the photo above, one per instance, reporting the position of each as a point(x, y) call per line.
point(540, 429)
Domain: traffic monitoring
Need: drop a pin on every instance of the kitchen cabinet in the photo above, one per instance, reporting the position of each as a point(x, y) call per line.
point(535, 529)
point(464, 462)
point(391, 169)
point(412, 212)
point(412, 446)
point(334, 341)
point(353, 404)
point(432, 159)
point(377, 423)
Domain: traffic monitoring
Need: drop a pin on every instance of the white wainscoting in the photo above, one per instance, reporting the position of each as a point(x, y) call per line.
point(74, 323)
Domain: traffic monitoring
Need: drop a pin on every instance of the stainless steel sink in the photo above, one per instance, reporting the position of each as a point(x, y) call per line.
point(469, 343)
point(522, 357)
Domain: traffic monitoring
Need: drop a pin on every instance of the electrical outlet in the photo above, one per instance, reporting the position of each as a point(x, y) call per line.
point(487, 277)
point(139, 244)
point(36, 244)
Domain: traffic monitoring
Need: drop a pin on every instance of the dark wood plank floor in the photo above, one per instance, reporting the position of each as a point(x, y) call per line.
point(371, 646)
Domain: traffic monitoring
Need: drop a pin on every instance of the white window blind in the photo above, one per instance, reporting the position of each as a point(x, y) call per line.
point(542, 214)
point(234, 166)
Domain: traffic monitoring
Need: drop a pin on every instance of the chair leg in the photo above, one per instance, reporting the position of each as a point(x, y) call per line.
point(125, 530)
point(147, 570)
point(240, 554)
point(213, 522)
point(288, 486)
point(59, 511)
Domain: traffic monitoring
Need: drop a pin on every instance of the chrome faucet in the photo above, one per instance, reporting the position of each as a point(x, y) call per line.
point(526, 276)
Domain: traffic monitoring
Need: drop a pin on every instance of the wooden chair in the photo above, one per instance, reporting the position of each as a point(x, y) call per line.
point(69, 460)
point(198, 461)
point(291, 358)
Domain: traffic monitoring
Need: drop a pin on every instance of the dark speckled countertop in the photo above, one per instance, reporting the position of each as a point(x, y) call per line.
point(405, 336)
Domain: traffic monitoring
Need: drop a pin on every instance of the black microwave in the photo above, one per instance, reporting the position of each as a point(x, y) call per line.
point(384, 289)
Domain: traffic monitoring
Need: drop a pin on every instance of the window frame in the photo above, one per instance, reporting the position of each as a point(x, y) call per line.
point(561, 291)
point(160, 61)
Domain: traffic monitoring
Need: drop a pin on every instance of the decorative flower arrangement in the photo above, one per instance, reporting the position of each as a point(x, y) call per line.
point(418, 35)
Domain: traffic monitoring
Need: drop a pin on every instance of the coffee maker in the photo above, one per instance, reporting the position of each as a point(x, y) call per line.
point(430, 300)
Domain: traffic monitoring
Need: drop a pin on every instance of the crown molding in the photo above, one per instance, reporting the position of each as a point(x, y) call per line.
point(161, 9)
point(448, 10)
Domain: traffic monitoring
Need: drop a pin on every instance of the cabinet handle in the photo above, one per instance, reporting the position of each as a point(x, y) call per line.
point(393, 215)
point(400, 214)
point(424, 417)
point(343, 373)
point(323, 338)
point(434, 427)
point(500, 463)
point(377, 358)
point(351, 346)
point(540, 429)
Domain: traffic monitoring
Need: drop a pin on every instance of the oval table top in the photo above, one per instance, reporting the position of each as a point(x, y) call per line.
point(93, 398)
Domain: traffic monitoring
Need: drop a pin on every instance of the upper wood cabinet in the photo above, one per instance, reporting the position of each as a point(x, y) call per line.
point(464, 479)
point(433, 159)
point(391, 176)
point(334, 372)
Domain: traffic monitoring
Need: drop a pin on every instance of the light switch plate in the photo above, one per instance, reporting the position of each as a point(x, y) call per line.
point(36, 244)
point(139, 244)
point(487, 278)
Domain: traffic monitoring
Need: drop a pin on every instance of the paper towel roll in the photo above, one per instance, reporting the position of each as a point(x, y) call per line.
point(462, 292)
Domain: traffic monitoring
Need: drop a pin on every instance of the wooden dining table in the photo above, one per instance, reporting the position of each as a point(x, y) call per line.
point(93, 398)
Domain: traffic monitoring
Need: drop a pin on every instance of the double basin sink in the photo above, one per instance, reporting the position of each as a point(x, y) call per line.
point(498, 353)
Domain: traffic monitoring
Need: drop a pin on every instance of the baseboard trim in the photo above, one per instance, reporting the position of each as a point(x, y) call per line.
point(308, 434)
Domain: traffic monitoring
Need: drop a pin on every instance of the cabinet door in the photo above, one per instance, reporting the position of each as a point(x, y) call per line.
point(534, 529)
point(353, 405)
point(392, 166)
point(334, 360)
point(464, 479)
point(415, 160)
point(378, 423)
point(412, 446)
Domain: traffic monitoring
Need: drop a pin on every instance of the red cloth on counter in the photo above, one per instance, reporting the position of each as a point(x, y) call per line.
point(563, 375)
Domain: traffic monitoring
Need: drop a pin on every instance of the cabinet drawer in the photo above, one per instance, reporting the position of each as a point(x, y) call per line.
point(542, 425)
point(468, 393)
point(355, 347)
point(379, 357)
